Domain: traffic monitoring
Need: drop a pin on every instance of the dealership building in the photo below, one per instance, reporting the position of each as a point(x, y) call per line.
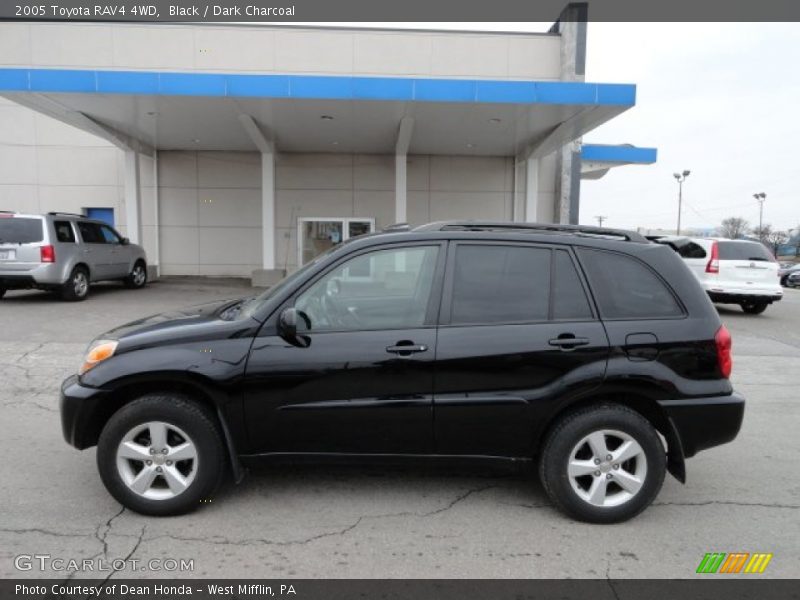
point(245, 150)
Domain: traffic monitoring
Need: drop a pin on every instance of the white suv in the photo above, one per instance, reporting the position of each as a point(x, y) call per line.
point(739, 272)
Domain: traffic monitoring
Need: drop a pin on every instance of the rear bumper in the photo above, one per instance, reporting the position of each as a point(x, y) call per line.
point(79, 412)
point(46, 274)
point(703, 423)
point(739, 296)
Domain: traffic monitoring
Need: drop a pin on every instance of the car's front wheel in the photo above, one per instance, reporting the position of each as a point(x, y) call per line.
point(138, 276)
point(602, 464)
point(161, 455)
point(754, 308)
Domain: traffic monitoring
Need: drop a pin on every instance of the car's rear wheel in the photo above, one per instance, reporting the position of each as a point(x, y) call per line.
point(161, 455)
point(602, 464)
point(76, 287)
point(138, 276)
point(754, 308)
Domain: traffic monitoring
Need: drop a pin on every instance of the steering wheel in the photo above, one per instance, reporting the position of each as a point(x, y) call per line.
point(333, 310)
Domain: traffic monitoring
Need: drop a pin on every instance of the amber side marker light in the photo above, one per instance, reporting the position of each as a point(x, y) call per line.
point(98, 352)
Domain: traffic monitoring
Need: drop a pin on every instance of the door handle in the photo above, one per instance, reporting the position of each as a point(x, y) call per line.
point(406, 349)
point(568, 341)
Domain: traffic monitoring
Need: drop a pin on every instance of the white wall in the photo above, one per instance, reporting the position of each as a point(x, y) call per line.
point(226, 48)
point(46, 165)
point(210, 202)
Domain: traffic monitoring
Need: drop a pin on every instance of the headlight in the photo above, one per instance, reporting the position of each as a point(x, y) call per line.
point(98, 351)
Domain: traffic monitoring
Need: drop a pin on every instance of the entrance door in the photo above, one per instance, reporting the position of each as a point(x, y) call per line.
point(316, 235)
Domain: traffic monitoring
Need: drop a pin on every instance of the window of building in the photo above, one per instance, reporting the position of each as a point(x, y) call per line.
point(627, 289)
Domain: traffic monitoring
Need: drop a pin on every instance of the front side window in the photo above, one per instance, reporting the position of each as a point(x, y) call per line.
point(109, 235)
point(384, 289)
point(627, 289)
point(500, 284)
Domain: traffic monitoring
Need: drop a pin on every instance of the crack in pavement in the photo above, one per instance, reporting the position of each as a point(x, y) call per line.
point(127, 558)
point(45, 532)
point(338, 532)
point(24, 355)
point(609, 580)
point(108, 525)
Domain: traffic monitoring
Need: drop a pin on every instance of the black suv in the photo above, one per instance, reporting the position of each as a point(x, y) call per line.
point(571, 346)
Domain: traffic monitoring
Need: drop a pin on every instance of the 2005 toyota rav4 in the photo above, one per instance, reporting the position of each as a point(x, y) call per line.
point(592, 351)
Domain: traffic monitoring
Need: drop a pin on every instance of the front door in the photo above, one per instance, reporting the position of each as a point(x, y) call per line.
point(517, 332)
point(315, 236)
point(97, 252)
point(363, 380)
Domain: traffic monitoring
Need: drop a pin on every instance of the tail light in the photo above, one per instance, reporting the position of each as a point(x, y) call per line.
point(724, 358)
point(713, 262)
point(47, 254)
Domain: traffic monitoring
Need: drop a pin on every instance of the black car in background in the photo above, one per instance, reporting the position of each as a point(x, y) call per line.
point(570, 346)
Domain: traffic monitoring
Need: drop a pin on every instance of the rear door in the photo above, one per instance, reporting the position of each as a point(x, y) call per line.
point(747, 266)
point(20, 240)
point(517, 333)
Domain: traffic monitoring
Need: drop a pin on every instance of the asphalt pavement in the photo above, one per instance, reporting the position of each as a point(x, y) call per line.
point(382, 522)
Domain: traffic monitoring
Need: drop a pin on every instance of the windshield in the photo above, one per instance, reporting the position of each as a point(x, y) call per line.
point(15, 230)
point(744, 251)
point(253, 305)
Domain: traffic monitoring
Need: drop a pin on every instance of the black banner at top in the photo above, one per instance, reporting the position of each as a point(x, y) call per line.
point(288, 11)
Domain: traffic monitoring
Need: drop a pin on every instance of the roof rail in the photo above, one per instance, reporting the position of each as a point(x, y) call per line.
point(397, 227)
point(66, 214)
point(586, 230)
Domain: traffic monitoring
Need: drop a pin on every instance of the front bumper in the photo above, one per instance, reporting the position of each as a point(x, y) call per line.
point(81, 416)
point(705, 422)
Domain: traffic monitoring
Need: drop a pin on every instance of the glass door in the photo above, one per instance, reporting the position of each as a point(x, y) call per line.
point(315, 236)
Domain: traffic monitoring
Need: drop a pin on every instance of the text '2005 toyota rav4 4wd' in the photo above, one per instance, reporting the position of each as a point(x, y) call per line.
point(592, 351)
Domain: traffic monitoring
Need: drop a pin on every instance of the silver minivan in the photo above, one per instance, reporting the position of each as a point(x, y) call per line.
point(65, 252)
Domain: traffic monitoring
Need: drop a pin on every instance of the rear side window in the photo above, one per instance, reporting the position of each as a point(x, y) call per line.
point(691, 250)
point(627, 289)
point(64, 232)
point(569, 298)
point(15, 230)
point(500, 284)
point(91, 233)
point(743, 251)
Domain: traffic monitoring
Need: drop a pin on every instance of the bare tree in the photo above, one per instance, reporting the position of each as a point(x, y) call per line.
point(763, 233)
point(734, 227)
point(775, 239)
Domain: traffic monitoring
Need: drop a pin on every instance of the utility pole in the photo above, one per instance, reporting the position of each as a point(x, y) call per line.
point(760, 197)
point(680, 178)
point(600, 220)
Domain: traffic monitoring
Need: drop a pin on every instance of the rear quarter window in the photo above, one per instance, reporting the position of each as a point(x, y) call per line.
point(626, 288)
point(14, 230)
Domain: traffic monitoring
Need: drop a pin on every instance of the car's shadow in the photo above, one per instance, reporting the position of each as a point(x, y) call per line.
point(43, 296)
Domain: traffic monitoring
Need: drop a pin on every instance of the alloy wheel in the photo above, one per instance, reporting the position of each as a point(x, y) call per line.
point(80, 284)
point(607, 468)
point(139, 275)
point(157, 460)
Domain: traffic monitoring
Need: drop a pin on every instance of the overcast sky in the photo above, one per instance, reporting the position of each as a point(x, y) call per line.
point(721, 100)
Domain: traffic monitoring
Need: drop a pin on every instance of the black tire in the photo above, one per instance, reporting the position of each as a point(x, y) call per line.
point(73, 290)
point(2, 292)
point(569, 432)
point(754, 308)
point(178, 412)
point(138, 276)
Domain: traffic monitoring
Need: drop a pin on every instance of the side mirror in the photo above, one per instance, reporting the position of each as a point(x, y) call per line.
point(287, 323)
point(125, 241)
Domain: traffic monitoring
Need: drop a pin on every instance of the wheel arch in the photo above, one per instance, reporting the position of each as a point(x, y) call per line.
point(193, 390)
point(638, 401)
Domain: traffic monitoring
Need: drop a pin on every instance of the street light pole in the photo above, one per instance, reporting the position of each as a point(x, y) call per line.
point(760, 197)
point(680, 178)
point(600, 220)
